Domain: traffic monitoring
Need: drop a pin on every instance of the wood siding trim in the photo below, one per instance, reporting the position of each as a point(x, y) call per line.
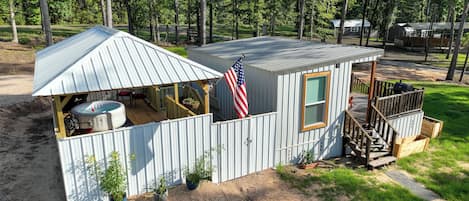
point(322, 124)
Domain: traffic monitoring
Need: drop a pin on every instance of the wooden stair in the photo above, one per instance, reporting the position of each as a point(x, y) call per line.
point(372, 143)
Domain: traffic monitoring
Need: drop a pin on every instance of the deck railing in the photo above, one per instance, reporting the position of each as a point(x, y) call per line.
point(382, 126)
point(383, 88)
point(358, 136)
point(359, 86)
point(400, 103)
point(176, 110)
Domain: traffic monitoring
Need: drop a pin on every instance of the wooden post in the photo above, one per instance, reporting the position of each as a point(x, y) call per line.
point(176, 93)
point(372, 89)
point(206, 87)
point(59, 116)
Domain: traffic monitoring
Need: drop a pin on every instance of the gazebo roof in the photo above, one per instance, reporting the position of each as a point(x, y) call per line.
point(102, 58)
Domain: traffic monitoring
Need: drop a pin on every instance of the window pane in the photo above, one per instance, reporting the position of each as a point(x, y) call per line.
point(315, 89)
point(314, 114)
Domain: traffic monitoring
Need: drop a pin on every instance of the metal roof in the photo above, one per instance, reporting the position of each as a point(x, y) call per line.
point(277, 54)
point(102, 59)
point(350, 23)
point(436, 25)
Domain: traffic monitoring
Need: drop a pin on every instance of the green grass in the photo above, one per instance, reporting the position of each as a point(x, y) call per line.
point(439, 60)
point(445, 167)
point(178, 50)
point(336, 183)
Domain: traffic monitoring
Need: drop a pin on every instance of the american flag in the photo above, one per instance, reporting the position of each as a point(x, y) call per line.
point(237, 84)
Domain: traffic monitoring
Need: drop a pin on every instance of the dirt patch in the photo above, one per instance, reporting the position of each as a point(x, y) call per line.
point(16, 59)
point(387, 72)
point(30, 167)
point(265, 185)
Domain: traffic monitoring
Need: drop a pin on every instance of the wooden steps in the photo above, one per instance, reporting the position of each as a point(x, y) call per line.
point(368, 144)
point(381, 162)
point(377, 154)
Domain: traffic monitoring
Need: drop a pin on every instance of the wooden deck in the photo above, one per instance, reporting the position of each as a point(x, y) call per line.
point(142, 113)
point(359, 107)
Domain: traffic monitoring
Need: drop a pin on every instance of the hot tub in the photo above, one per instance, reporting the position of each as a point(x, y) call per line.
point(100, 115)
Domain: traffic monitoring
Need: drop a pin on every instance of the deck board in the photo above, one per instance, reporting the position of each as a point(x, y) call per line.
point(142, 113)
point(359, 107)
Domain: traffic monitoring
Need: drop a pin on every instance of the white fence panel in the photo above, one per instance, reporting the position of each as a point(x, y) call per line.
point(247, 145)
point(158, 149)
point(150, 151)
point(409, 124)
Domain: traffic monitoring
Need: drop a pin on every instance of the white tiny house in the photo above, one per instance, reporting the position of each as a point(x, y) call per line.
point(306, 83)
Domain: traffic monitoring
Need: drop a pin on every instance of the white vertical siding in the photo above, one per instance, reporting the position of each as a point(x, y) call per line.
point(165, 149)
point(160, 149)
point(247, 145)
point(409, 124)
point(325, 142)
point(260, 85)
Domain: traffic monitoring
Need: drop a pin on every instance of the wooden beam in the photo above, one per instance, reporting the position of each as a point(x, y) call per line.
point(372, 88)
point(176, 93)
point(66, 100)
point(59, 117)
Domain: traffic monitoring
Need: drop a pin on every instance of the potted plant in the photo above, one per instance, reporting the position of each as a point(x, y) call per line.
point(113, 179)
point(161, 191)
point(306, 160)
point(202, 170)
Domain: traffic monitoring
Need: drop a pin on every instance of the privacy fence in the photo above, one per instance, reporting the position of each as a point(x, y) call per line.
point(165, 148)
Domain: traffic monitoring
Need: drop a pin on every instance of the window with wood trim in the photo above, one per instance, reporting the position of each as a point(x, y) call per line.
point(314, 109)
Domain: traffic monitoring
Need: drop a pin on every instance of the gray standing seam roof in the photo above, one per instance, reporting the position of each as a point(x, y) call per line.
point(102, 58)
point(277, 54)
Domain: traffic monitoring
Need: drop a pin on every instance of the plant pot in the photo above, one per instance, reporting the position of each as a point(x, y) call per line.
point(192, 185)
point(123, 199)
point(161, 197)
point(308, 166)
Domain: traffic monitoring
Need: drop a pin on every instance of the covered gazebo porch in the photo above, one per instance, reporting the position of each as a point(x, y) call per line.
point(150, 83)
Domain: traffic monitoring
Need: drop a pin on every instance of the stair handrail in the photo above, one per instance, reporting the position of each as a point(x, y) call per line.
point(386, 127)
point(365, 135)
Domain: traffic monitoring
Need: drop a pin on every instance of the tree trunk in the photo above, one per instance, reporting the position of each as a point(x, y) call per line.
point(451, 32)
point(103, 11)
point(362, 29)
point(202, 21)
point(109, 13)
point(211, 22)
point(342, 22)
point(153, 23)
point(176, 20)
point(236, 19)
point(46, 22)
point(301, 19)
point(272, 24)
point(130, 23)
point(157, 26)
point(167, 33)
point(464, 67)
point(429, 37)
point(452, 67)
point(13, 22)
point(371, 26)
point(311, 21)
point(188, 32)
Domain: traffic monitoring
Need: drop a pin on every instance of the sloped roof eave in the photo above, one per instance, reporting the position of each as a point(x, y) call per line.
point(121, 61)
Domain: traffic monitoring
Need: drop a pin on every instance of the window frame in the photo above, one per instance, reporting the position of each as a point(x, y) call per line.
point(323, 123)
